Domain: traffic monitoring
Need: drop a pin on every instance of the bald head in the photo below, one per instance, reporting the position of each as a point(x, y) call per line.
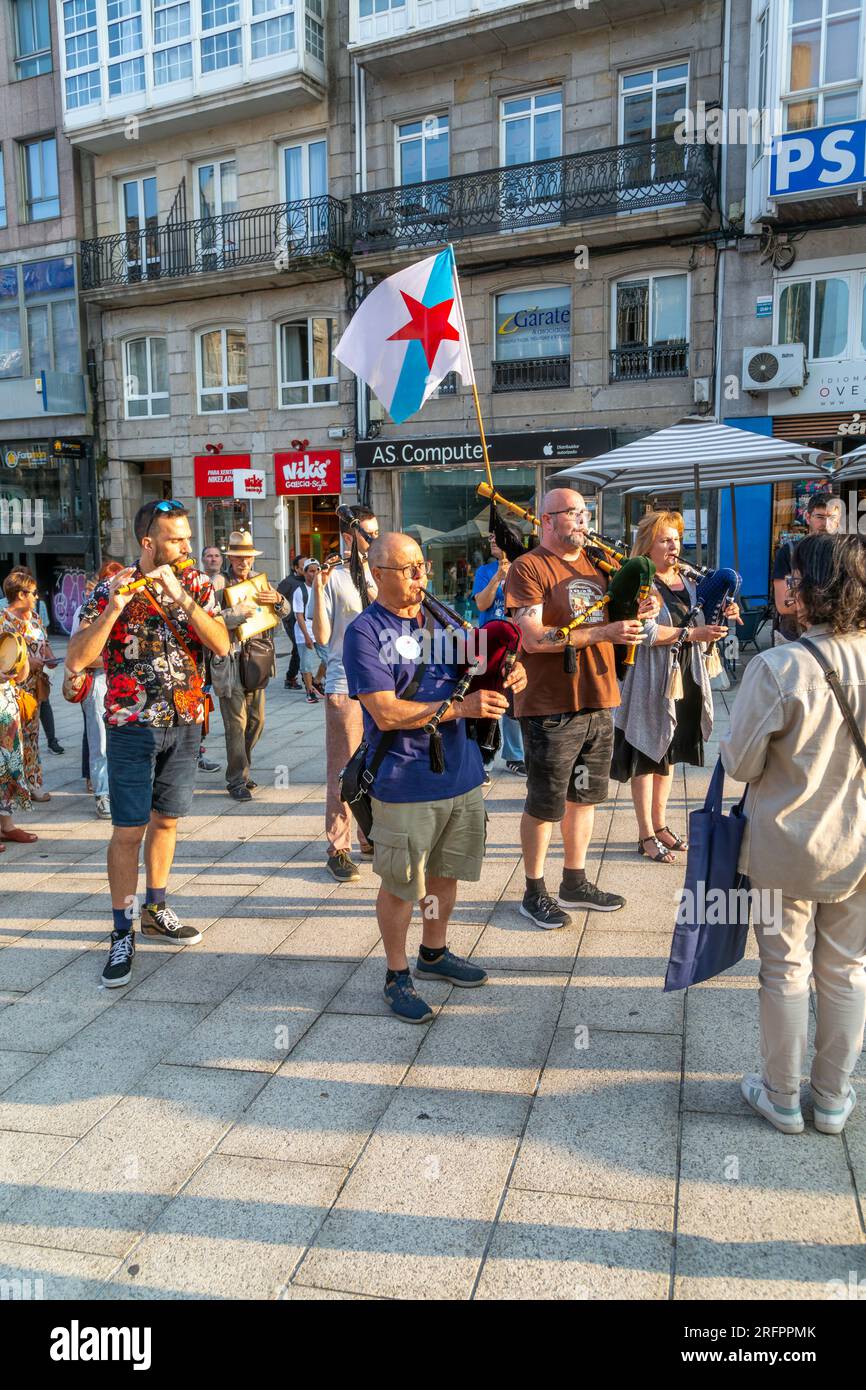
point(397, 565)
point(563, 521)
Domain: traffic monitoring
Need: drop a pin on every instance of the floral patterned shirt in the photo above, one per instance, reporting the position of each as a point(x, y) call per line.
point(149, 679)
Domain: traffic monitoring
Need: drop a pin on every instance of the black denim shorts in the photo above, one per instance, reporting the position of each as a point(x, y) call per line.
point(567, 759)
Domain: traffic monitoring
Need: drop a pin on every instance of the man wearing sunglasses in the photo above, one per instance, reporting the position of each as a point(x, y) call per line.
point(428, 825)
point(152, 636)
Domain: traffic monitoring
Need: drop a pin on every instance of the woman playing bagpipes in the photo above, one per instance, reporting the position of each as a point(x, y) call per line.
point(666, 711)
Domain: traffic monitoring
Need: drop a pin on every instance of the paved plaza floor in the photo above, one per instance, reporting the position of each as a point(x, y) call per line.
point(247, 1120)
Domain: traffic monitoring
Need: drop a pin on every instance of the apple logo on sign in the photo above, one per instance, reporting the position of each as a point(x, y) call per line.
point(547, 450)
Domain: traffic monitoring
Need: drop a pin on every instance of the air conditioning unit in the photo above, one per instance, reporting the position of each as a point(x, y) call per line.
point(781, 367)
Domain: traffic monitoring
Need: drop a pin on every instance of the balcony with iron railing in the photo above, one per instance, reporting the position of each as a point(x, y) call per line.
point(621, 189)
point(532, 374)
point(258, 247)
point(648, 363)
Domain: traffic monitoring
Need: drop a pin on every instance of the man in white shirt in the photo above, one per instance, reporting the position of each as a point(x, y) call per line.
point(336, 601)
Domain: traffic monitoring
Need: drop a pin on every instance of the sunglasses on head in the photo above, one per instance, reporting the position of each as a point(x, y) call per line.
point(163, 509)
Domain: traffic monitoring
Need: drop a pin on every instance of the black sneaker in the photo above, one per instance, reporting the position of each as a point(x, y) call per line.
point(120, 954)
point(55, 746)
point(312, 698)
point(342, 867)
point(544, 911)
point(240, 793)
point(159, 920)
point(518, 769)
point(589, 896)
point(207, 764)
point(486, 781)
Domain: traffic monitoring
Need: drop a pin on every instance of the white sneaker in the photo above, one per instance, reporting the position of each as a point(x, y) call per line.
point(755, 1093)
point(833, 1121)
point(103, 808)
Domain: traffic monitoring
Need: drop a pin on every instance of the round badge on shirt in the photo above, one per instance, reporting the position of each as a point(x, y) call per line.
point(408, 646)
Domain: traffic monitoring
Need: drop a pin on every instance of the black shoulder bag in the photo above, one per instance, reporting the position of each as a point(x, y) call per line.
point(356, 778)
point(835, 686)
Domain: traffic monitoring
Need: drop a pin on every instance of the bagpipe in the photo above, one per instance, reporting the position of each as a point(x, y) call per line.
point(489, 671)
point(715, 589)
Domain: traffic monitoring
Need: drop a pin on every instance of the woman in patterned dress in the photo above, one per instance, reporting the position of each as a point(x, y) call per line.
point(13, 784)
point(20, 616)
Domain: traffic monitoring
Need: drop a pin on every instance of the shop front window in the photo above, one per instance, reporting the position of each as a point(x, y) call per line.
point(317, 525)
point(441, 510)
point(222, 515)
point(30, 473)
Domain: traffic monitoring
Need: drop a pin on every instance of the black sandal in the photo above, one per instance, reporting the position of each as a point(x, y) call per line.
point(664, 855)
point(678, 842)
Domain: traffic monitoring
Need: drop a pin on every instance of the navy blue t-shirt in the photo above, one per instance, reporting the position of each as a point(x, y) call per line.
point(483, 576)
point(373, 663)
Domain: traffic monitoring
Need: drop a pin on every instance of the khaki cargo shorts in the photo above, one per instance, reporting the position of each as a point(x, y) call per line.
point(417, 840)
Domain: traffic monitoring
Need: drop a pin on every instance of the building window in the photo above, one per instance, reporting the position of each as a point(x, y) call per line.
point(39, 319)
point(83, 81)
point(146, 377)
point(314, 29)
point(32, 37)
point(270, 37)
point(823, 69)
point(307, 375)
point(760, 102)
point(371, 7)
point(531, 127)
point(223, 49)
point(140, 220)
point(815, 312)
point(222, 369)
point(422, 150)
point(40, 181)
point(2, 192)
point(650, 102)
point(650, 328)
point(125, 40)
point(533, 339)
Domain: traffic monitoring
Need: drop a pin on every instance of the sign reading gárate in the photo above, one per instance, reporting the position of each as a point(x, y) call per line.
point(77, 1343)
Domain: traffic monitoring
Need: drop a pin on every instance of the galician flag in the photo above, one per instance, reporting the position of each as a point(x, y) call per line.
point(408, 334)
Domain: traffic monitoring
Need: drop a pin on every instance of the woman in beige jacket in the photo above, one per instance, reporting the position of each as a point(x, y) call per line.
point(806, 837)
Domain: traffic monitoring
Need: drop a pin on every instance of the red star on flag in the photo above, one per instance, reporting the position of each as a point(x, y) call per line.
point(429, 326)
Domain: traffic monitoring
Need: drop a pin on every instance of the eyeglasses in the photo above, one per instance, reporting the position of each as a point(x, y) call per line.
point(571, 511)
point(370, 535)
point(407, 571)
point(162, 508)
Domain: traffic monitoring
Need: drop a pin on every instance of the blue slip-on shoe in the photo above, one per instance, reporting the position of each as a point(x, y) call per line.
point(400, 995)
point(452, 969)
point(787, 1120)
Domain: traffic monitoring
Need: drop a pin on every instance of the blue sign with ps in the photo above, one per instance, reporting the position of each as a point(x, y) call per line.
point(818, 161)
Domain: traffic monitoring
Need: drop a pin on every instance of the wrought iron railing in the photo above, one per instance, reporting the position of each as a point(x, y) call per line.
point(448, 385)
point(645, 363)
point(532, 374)
point(598, 183)
point(283, 235)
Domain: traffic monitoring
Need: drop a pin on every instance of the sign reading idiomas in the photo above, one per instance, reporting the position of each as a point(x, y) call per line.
point(825, 160)
point(307, 473)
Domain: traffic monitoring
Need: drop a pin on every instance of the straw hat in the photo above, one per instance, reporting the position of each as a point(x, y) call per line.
point(241, 544)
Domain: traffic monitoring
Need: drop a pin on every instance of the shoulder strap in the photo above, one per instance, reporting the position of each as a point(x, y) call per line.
point(385, 742)
point(833, 682)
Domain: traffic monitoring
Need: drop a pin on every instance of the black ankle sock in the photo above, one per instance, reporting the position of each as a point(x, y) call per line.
point(391, 975)
point(431, 953)
point(535, 885)
point(573, 878)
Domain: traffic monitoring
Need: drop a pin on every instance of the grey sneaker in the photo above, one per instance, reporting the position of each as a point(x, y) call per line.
point(159, 920)
point(103, 808)
point(342, 867)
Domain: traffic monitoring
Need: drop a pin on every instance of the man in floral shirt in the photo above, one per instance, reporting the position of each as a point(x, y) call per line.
point(153, 653)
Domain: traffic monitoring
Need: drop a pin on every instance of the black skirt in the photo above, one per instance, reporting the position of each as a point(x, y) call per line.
point(687, 744)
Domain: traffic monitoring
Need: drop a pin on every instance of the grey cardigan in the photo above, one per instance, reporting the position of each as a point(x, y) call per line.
point(645, 714)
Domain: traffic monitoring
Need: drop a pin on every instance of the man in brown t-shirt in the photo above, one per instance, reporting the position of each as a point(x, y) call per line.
point(566, 720)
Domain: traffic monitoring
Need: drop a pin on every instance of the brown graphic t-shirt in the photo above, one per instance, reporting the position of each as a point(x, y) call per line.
point(564, 588)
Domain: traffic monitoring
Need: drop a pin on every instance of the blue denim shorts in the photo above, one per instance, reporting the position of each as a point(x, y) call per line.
point(151, 770)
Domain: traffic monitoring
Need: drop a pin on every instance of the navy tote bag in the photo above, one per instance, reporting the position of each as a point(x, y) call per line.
point(713, 918)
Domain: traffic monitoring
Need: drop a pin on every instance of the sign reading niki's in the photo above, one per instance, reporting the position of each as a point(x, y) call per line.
point(307, 472)
point(531, 446)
